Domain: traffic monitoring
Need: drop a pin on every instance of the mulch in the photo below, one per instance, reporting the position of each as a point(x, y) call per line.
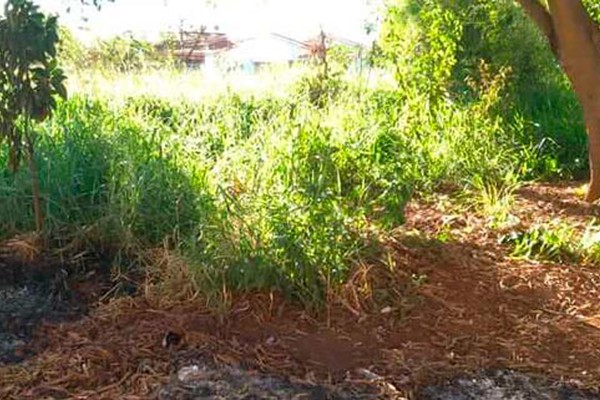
point(436, 307)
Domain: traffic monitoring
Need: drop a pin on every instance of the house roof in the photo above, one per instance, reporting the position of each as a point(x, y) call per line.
point(271, 47)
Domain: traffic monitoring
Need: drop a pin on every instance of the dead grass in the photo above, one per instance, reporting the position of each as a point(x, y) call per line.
point(470, 306)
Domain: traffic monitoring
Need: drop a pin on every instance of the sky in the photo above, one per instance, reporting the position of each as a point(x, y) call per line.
point(239, 18)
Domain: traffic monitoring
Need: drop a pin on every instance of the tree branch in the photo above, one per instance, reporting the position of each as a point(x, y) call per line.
point(573, 22)
point(540, 15)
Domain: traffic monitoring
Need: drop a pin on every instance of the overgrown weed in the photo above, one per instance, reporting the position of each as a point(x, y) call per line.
point(274, 189)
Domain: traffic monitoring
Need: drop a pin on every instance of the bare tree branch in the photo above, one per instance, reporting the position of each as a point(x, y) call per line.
point(541, 16)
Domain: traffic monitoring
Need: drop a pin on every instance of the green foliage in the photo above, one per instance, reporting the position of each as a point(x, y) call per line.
point(325, 81)
point(424, 59)
point(258, 192)
point(494, 198)
point(29, 76)
point(259, 197)
point(438, 47)
point(589, 244)
point(115, 55)
point(71, 51)
point(287, 192)
point(123, 54)
point(593, 8)
point(556, 242)
point(29, 81)
point(547, 243)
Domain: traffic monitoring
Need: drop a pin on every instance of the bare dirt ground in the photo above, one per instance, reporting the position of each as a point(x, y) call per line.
point(447, 315)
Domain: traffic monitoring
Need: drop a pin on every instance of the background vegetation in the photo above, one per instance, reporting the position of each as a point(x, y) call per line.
point(280, 191)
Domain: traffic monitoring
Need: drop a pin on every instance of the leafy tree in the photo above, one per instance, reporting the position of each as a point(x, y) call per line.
point(441, 52)
point(30, 80)
point(573, 34)
point(123, 54)
point(71, 51)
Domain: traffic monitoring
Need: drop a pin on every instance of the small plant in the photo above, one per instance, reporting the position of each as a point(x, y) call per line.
point(557, 242)
point(495, 198)
point(590, 243)
point(444, 234)
point(548, 243)
point(29, 80)
point(325, 80)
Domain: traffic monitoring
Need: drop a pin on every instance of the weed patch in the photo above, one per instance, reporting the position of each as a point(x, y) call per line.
point(261, 191)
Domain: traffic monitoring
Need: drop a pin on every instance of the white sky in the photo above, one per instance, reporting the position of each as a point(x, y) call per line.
point(239, 18)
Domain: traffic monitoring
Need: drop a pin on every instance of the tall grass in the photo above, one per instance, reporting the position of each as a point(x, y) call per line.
point(172, 82)
point(440, 47)
point(283, 180)
point(259, 191)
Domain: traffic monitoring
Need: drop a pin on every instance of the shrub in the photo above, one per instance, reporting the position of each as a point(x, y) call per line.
point(438, 47)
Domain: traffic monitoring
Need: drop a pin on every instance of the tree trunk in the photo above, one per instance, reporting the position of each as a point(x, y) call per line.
point(37, 206)
point(540, 15)
point(575, 39)
point(580, 57)
point(593, 127)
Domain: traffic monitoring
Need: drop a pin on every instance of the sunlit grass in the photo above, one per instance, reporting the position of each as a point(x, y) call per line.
point(198, 85)
point(557, 241)
point(254, 183)
point(193, 85)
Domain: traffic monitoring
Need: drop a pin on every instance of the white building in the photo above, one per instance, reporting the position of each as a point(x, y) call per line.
point(266, 49)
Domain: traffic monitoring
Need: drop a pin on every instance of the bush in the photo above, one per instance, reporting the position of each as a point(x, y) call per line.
point(115, 55)
point(438, 47)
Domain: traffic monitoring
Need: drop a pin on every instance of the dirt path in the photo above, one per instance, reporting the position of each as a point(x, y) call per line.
point(446, 302)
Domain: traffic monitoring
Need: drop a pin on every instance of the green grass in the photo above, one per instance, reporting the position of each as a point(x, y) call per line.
point(285, 179)
point(556, 242)
point(261, 190)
